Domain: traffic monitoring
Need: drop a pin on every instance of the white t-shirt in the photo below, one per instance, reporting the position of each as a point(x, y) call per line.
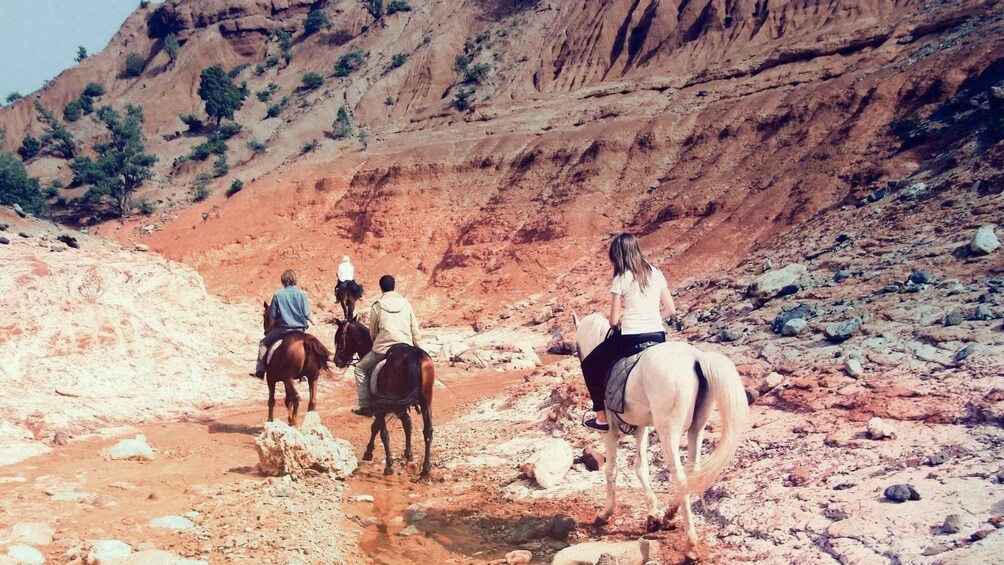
point(641, 308)
point(346, 272)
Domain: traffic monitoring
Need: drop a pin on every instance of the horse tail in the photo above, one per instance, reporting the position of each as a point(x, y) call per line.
point(315, 349)
point(727, 391)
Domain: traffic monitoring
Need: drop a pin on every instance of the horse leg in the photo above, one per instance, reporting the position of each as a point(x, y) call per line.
point(427, 434)
point(652, 522)
point(374, 430)
point(271, 398)
point(671, 451)
point(385, 438)
point(610, 470)
point(406, 424)
point(292, 401)
point(312, 403)
point(695, 437)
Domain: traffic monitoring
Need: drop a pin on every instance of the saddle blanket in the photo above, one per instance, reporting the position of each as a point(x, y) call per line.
point(374, 374)
point(618, 377)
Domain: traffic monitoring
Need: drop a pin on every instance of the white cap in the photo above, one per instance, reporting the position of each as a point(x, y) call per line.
point(345, 258)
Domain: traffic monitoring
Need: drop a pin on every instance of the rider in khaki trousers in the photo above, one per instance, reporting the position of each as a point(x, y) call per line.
point(392, 321)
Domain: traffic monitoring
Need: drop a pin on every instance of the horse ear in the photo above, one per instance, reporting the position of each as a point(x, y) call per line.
point(339, 322)
point(575, 320)
point(265, 304)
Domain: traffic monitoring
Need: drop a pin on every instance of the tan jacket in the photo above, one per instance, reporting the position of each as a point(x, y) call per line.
point(392, 320)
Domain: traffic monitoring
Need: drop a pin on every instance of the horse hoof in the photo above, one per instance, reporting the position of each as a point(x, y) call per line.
point(691, 556)
point(652, 524)
point(600, 521)
point(388, 471)
point(670, 514)
point(367, 456)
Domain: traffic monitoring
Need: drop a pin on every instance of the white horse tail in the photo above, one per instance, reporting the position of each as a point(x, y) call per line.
point(727, 391)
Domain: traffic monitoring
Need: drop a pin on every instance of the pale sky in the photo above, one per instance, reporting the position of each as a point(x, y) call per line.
point(39, 38)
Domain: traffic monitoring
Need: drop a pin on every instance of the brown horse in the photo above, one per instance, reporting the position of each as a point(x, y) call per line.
point(405, 381)
point(347, 293)
point(299, 355)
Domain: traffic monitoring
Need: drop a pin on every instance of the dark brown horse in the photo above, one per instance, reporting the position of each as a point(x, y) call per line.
point(347, 294)
point(299, 355)
point(405, 381)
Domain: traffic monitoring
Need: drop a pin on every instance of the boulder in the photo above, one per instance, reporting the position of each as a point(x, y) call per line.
point(880, 429)
point(4, 241)
point(772, 283)
point(953, 524)
point(953, 318)
point(32, 533)
point(794, 327)
point(853, 368)
point(544, 315)
point(471, 357)
point(528, 353)
point(518, 557)
point(842, 331)
point(108, 551)
point(636, 552)
point(25, 555)
point(136, 449)
point(550, 462)
point(921, 277)
point(916, 191)
point(142, 247)
point(901, 493)
point(19, 210)
point(771, 382)
point(752, 395)
point(561, 527)
point(172, 523)
point(984, 241)
point(285, 450)
point(983, 313)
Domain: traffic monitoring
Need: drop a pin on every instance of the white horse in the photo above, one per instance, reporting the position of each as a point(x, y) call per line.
point(666, 390)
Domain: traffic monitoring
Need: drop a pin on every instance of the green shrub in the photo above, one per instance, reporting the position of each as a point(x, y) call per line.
point(275, 109)
point(363, 137)
point(476, 73)
point(283, 38)
point(236, 71)
point(287, 56)
point(50, 192)
point(461, 99)
point(94, 90)
point(171, 46)
point(461, 63)
point(308, 147)
point(55, 137)
point(135, 64)
point(396, 6)
point(228, 130)
point(390, 101)
point(220, 167)
point(271, 61)
point(86, 104)
point(201, 187)
point(259, 70)
point(311, 81)
point(30, 147)
point(16, 187)
point(374, 7)
point(348, 64)
point(81, 54)
point(235, 187)
point(193, 122)
point(13, 97)
point(910, 130)
point(212, 146)
point(257, 147)
point(342, 126)
point(397, 60)
point(73, 111)
point(144, 4)
point(146, 207)
point(316, 20)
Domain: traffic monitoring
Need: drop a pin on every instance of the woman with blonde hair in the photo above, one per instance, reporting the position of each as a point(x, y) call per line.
point(640, 301)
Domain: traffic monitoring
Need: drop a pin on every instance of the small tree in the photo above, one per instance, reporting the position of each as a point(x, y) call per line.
point(220, 167)
point(135, 64)
point(236, 186)
point(201, 187)
point(94, 90)
point(349, 63)
point(316, 20)
point(30, 148)
point(374, 7)
point(13, 97)
point(461, 99)
point(16, 187)
point(363, 138)
point(73, 111)
point(171, 46)
point(396, 6)
point(283, 38)
point(342, 127)
point(275, 109)
point(221, 95)
point(311, 81)
point(228, 130)
point(55, 137)
point(257, 147)
point(86, 104)
point(397, 60)
point(192, 121)
point(122, 164)
point(81, 54)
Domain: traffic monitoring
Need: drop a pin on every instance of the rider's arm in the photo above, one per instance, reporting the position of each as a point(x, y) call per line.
point(668, 306)
point(615, 309)
point(414, 329)
point(374, 322)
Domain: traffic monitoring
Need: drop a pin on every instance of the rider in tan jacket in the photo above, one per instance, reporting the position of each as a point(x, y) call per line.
point(392, 321)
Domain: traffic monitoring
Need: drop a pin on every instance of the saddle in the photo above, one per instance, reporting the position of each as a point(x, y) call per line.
point(618, 377)
point(275, 346)
point(374, 375)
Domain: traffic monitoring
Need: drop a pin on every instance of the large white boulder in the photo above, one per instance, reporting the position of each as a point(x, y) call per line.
point(108, 551)
point(136, 449)
point(769, 284)
point(22, 554)
point(984, 241)
point(33, 533)
point(285, 450)
point(636, 552)
point(550, 462)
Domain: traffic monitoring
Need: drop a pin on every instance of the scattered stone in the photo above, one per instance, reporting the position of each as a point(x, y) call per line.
point(771, 382)
point(841, 275)
point(561, 527)
point(936, 459)
point(142, 247)
point(160, 557)
point(24, 234)
point(4, 226)
point(4, 240)
point(916, 191)
point(20, 211)
point(136, 449)
point(727, 335)
point(607, 559)
point(32, 533)
point(901, 493)
point(518, 557)
point(953, 524)
point(592, 459)
point(108, 551)
point(799, 476)
point(626, 552)
point(61, 438)
point(172, 523)
point(953, 318)
point(25, 555)
point(935, 549)
point(853, 368)
point(69, 240)
point(963, 353)
point(752, 395)
point(363, 498)
point(414, 513)
point(544, 315)
point(551, 462)
point(409, 531)
point(794, 327)
point(802, 311)
point(528, 353)
point(772, 283)
point(921, 277)
point(984, 241)
point(840, 332)
point(285, 450)
point(880, 429)
point(983, 313)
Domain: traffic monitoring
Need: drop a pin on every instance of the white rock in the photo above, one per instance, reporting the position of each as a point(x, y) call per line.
point(551, 462)
point(546, 314)
point(32, 533)
point(528, 353)
point(136, 449)
point(984, 241)
point(520, 364)
point(108, 551)
point(625, 552)
point(409, 531)
point(142, 247)
point(880, 429)
point(794, 327)
point(771, 382)
point(770, 283)
point(363, 498)
point(25, 555)
point(172, 523)
point(853, 368)
point(285, 450)
point(158, 557)
point(518, 557)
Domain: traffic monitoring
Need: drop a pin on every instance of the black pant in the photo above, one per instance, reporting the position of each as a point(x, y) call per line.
point(596, 366)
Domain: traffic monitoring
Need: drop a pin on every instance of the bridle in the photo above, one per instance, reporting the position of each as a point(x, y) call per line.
point(344, 345)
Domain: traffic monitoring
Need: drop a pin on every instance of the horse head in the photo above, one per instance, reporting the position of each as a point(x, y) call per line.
point(351, 339)
point(267, 321)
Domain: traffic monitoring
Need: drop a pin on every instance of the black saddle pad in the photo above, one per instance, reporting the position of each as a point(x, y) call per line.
point(618, 377)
